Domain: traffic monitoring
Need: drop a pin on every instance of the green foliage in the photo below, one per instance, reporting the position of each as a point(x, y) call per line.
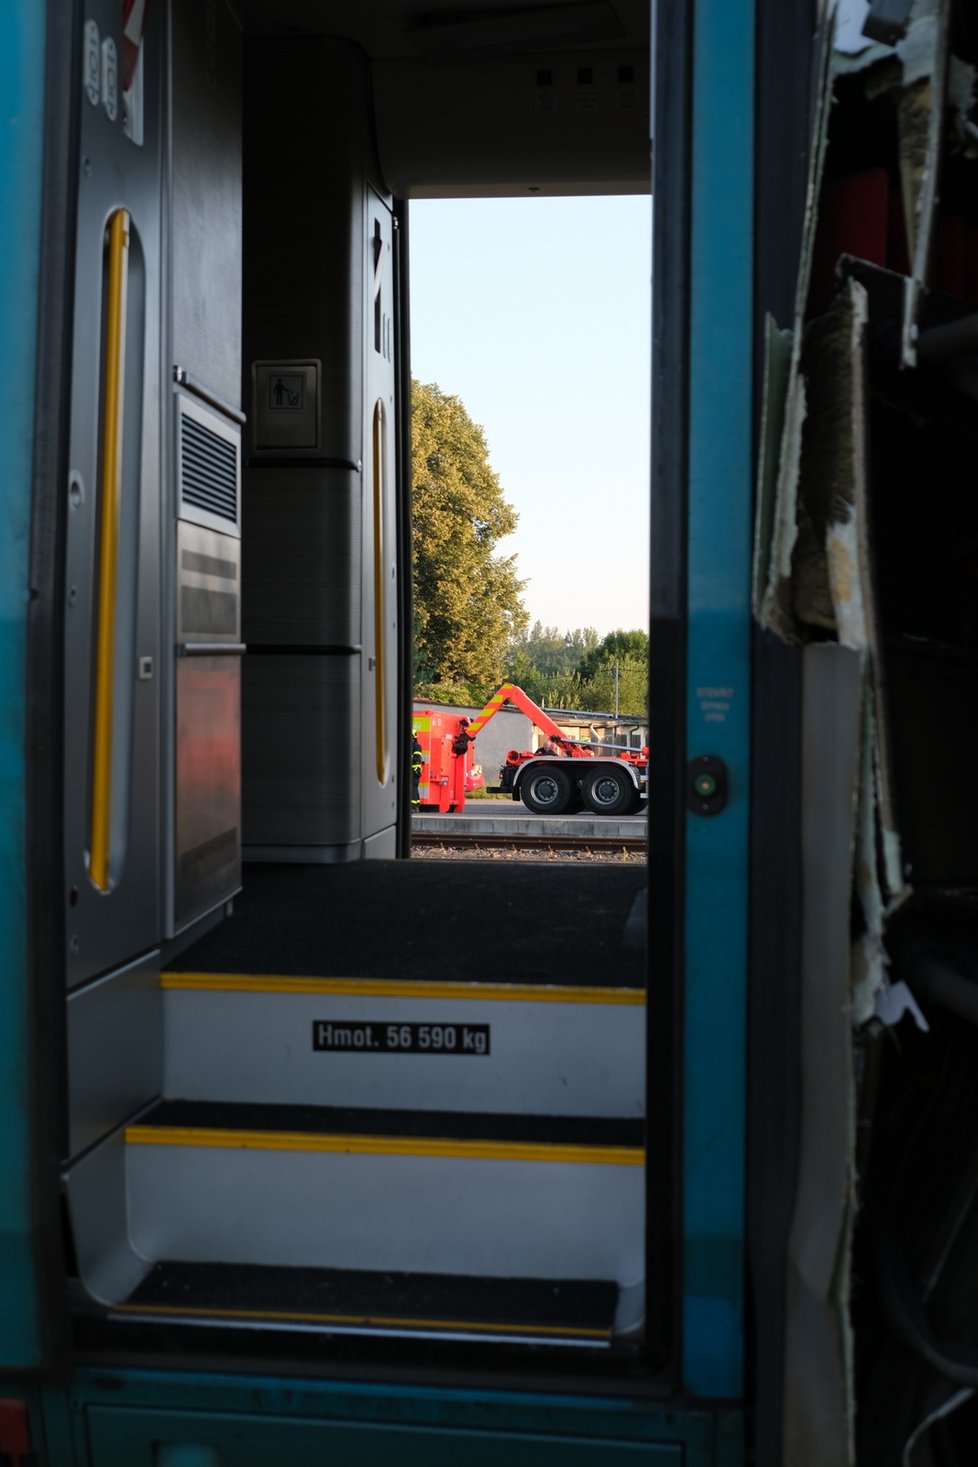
point(464, 694)
point(616, 647)
point(616, 673)
point(545, 662)
point(632, 688)
point(467, 599)
point(577, 670)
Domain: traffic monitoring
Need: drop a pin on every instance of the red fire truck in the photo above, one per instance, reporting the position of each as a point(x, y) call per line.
point(611, 782)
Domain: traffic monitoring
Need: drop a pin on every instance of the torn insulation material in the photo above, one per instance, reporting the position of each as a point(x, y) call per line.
point(776, 522)
point(916, 72)
point(776, 526)
point(832, 589)
point(894, 1001)
point(961, 79)
point(850, 17)
point(830, 572)
point(869, 959)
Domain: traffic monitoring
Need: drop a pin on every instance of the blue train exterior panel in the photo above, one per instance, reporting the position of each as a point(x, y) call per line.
point(21, 140)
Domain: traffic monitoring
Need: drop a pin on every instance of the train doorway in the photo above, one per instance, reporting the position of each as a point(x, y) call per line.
point(367, 1101)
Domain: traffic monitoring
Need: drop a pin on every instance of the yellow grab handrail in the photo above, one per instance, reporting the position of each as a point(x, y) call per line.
point(380, 599)
point(110, 501)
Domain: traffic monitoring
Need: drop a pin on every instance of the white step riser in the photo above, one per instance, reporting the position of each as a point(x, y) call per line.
point(545, 1058)
point(498, 1218)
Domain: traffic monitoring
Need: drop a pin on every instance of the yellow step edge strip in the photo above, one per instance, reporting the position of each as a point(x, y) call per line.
point(383, 1145)
point(376, 1321)
point(386, 988)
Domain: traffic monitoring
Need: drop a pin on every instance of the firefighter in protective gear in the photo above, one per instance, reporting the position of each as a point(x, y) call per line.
point(417, 760)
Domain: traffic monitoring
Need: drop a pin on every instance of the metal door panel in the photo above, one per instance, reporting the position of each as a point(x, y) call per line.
point(105, 927)
point(379, 551)
point(207, 757)
point(207, 846)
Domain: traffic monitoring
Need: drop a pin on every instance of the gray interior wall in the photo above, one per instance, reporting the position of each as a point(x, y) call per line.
point(308, 168)
point(205, 130)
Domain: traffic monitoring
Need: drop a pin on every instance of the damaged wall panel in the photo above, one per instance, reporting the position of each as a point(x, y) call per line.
point(864, 519)
point(881, 115)
point(818, 1390)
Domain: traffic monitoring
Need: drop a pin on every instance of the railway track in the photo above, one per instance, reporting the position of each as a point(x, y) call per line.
point(534, 846)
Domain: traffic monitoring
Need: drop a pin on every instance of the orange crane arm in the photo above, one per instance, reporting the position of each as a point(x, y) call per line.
point(510, 693)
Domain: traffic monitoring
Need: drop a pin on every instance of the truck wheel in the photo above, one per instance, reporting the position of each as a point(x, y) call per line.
point(546, 791)
point(609, 791)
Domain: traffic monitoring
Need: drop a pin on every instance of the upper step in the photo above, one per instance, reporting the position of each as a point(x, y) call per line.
point(547, 1049)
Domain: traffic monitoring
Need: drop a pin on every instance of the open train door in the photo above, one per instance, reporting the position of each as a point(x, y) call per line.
point(315, 349)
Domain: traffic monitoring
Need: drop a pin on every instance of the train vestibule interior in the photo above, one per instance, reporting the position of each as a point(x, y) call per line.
point(343, 1103)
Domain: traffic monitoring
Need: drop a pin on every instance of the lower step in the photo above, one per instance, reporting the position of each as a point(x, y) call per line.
point(530, 1311)
point(497, 1196)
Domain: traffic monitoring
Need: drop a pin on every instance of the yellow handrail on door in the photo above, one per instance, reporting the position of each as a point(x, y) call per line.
point(380, 598)
point(111, 506)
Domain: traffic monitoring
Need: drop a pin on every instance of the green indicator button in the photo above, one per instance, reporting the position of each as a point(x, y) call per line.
point(706, 791)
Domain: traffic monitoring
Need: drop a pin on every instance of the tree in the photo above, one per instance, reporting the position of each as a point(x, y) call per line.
point(467, 605)
point(616, 673)
point(623, 685)
point(544, 662)
point(577, 670)
point(615, 647)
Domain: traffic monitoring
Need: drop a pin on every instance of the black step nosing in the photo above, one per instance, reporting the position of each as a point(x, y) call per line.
point(425, 1300)
point(431, 1124)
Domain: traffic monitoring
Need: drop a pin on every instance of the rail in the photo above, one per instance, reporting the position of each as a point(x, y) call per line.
point(603, 845)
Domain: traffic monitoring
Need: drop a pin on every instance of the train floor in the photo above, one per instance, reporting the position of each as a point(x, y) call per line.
point(481, 920)
point(402, 1098)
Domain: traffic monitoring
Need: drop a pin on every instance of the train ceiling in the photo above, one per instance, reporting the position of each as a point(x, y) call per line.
point(494, 99)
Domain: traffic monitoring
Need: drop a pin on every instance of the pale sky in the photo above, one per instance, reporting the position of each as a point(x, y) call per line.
point(535, 312)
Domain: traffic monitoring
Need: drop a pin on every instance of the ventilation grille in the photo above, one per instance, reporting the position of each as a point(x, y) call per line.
point(209, 479)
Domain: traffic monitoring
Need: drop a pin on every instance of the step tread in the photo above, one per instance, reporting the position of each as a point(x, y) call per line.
point(349, 1121)
point(397, 920)
point(581, 1311)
